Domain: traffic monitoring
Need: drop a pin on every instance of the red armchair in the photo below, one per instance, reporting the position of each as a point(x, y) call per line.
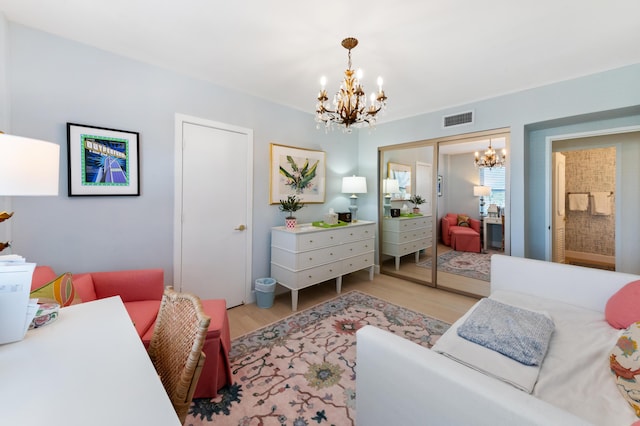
point(461, 238)
point(141, 291)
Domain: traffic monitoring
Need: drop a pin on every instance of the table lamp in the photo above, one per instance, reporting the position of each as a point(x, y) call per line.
point(389, 186)
point(481, 191)
point(354, 185)
point(28, 167)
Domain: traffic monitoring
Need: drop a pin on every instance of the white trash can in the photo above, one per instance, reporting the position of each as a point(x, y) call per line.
point(265, 289)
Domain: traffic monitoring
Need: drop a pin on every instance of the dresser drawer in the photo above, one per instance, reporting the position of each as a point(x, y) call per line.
point(301, 279)
point(406, 248)
point(358, 247)
point(304, 241)
point(357, 262)
point(358, 233)
point(406, 236)
point(406, 224)
point(305, 259)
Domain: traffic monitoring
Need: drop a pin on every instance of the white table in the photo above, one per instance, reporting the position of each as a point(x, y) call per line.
point(89, 367)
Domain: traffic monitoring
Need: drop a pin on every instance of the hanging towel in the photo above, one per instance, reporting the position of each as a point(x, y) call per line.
point(578, 202)
point(601, 204)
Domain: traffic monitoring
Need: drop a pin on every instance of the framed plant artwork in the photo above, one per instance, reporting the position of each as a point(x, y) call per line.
point(297, 171)
point(102, 161)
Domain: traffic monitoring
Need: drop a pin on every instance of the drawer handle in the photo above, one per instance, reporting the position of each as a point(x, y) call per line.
point(330, 270)
point(310, 276)
point(311, 258)
point(331, 237)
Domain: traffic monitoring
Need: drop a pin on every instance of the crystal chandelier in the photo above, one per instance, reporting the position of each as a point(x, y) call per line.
point(349, 107)
point(490, 159)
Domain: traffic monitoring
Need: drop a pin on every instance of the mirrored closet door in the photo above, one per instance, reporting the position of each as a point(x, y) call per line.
point(440, 178)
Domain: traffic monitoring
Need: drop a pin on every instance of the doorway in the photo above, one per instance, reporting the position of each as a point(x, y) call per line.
point(213, 210)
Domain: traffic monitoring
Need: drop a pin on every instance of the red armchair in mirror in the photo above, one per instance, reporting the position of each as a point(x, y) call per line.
point(461, 233)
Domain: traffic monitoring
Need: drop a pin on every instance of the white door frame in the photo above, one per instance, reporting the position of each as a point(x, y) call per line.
point(549, 186)
point(180, 120)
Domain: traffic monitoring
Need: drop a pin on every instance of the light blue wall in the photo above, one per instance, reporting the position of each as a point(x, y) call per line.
point(593, 97)
point(53, 81)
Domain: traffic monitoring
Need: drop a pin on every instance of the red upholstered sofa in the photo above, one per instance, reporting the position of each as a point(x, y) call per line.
point(461, 238)
point(141, 291)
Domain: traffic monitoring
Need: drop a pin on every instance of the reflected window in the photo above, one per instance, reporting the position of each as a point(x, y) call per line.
point(494, 178)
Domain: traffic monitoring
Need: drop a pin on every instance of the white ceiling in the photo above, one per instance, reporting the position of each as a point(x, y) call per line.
point(432, 54)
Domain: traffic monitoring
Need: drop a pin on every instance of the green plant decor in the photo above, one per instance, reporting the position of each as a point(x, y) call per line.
point(417, 200)
point(291, 204)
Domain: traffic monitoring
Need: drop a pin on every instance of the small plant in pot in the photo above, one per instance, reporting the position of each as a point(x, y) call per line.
point(290, 205)
point(417, 200)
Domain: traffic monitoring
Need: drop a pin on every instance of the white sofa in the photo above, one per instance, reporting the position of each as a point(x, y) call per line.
point(401, 383)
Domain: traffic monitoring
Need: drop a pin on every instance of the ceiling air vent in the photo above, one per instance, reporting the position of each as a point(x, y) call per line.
point(457, 119)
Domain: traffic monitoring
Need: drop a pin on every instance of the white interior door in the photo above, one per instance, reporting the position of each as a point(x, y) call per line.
point(558, 207)
point(213, 207)
point(424, 180)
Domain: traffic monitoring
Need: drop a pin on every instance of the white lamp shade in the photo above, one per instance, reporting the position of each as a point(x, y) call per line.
point(28, 166)
point(354, 185)
point(481, 191)
point(390, 186)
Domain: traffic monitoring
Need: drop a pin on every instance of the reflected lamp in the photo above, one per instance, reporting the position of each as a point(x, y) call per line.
point(481, 191)
point(389, 186)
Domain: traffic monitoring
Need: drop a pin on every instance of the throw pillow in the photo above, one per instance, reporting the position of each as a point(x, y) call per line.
point(625, 365)
point(60, 290)
point(463, 220)
point(622, 308)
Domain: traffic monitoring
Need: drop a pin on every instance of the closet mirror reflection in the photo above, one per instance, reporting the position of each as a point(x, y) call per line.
point(443, 174)
point(406, 243)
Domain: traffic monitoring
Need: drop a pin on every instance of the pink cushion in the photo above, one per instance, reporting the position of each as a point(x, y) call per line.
point(143, 313)
point(83, 285)
point(623, 308)
point(143, 284)
point(41, 276)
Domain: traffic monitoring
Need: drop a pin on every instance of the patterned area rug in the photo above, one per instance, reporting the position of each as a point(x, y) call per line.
point(300, 371)
point(470, 265)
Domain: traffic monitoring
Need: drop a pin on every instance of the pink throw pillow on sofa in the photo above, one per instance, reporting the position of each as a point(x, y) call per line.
point(623, 308)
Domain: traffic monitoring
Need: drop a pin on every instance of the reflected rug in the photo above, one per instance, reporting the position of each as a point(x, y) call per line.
point(470, 265)
point(301, 370)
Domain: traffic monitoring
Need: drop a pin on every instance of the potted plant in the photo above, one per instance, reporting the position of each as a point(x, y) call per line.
point(417, 200)
point(291, 204)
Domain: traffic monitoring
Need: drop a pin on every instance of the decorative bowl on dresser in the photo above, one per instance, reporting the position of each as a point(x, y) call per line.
point(309, 255)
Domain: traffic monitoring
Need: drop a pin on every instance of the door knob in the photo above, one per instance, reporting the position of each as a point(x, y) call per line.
point(240, 228)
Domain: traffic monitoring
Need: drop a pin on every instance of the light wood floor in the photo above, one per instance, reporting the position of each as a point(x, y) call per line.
point(436, 303)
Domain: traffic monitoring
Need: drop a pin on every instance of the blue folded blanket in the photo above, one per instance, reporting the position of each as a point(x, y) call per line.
point(518, 333)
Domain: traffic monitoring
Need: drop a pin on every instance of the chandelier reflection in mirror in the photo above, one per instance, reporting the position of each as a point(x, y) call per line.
point(491, 159)
point(349, 107)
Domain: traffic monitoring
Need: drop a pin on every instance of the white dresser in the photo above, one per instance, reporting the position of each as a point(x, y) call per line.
point(405, 235)
point(309, 255)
